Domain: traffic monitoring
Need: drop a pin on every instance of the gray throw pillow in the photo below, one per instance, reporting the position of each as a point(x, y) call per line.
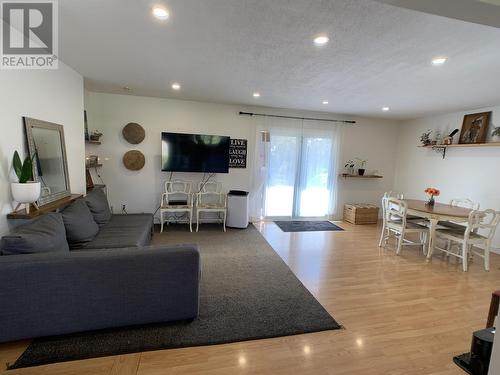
point(98, 204)
point(79, 223)
point(42, 235)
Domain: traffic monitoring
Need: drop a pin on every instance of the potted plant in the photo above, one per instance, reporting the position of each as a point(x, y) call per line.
point(362, 165)
point(425, 138)
point(350, 167)
point(26, 190)
point(431, 192)
point(495, 134)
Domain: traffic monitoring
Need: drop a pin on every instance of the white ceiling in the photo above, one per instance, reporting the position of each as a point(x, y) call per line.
point(224, 50)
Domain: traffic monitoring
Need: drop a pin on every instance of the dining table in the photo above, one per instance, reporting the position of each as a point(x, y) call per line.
point(436, 213)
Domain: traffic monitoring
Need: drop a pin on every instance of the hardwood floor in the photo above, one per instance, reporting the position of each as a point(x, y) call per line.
point(401, 315)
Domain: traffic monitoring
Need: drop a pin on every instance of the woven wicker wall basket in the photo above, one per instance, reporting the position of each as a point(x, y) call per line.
point(133, 133)
point(134, 160)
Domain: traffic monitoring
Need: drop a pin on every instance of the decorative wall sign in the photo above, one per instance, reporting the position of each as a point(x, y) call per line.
point(238, 153)
point(133, 133)
point(134, 160)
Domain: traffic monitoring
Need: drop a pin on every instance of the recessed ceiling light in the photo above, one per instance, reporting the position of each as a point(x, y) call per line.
point(325, 102)
point(439, 60)
point(160, 13)
point(176, 86)
point(321, 40)
point(385, 109)
point(256, 95)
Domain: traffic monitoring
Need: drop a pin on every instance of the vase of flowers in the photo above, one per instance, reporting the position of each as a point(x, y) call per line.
point(431, 192)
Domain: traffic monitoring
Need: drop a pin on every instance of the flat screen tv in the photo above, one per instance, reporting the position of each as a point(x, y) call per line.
point(194, 153)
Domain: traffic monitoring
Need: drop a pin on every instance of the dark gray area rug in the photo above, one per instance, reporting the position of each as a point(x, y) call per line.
point(247, 292)
point(307, 226)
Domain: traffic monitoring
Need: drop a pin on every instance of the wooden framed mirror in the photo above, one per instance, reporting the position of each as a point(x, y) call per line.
point(47, 147)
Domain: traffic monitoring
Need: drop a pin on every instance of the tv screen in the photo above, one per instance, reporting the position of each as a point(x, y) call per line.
point(194, 153)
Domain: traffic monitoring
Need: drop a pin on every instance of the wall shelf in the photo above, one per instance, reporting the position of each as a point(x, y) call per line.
point(49, 207)
point(346, 175)
point(88, 141)
point(442, 148)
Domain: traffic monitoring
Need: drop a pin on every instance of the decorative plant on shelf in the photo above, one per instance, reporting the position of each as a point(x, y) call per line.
point(350, 166)
point(432, 192)
point(24, 170)
point(495, 134)
point(425, 138)
point(361, 166)
point(25, 191)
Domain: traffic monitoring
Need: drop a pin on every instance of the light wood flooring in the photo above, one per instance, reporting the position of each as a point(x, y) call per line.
point(401, 316)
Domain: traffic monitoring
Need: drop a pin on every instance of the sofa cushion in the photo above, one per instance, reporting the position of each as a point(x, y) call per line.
point(43, 234)
point(124, 231)
point(98, 204)
point(79, 223)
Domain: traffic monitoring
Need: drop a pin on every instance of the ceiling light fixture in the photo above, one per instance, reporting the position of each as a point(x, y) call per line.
point(385, 109)
point(325, 102)
point(256, 95)
point(160, 13)
point(321, 40)
point(439, 61)
point(176, 86)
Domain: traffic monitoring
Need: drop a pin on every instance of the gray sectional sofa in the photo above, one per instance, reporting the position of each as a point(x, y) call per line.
point(56, 278)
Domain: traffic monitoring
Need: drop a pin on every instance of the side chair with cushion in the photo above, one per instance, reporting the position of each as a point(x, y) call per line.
point(396, 224)
point(480, 230)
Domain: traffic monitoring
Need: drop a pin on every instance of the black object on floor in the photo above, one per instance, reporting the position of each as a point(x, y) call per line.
point(247, 292)
point(307, 226)
point(463, 361)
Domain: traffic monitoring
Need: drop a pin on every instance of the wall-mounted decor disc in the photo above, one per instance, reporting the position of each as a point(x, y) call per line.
point(133, 133)
point(134, 160)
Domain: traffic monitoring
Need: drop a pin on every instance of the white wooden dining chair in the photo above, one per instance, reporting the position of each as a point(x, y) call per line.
point(459, 202)
point(398, 226)
point(211, 202)
point(392, 194)
point(210, 187)
point(177, 199)
point(480, 230)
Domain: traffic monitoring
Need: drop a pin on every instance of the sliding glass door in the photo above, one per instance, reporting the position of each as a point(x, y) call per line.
point(299, 181)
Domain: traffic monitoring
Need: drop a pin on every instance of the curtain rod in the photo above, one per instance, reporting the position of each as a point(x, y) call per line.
point(297, 118)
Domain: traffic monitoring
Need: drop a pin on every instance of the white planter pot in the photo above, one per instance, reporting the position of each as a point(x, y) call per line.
point(26, 193)
point(495, 138)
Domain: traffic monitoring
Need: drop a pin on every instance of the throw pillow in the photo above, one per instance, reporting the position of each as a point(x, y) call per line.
point(79, 223)
point(43, 234)
point(98, 204)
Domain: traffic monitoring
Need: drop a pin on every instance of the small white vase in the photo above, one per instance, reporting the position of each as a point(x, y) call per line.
point(26, 193)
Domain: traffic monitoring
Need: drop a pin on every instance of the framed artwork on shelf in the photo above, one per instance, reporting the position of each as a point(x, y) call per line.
point(475, 128)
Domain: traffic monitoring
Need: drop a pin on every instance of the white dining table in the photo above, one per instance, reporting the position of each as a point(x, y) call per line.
point(436, 213)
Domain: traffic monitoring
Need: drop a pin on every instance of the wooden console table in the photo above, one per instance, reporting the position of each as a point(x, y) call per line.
point(53, 206)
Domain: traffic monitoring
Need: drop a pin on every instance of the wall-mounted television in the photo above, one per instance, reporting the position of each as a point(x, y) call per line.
point(194, 153)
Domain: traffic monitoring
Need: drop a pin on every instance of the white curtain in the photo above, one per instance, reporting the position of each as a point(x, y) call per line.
point(298, 168)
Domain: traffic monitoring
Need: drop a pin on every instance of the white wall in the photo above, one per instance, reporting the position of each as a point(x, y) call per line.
point(50, 95)
point(140, 191)
point(473, 173)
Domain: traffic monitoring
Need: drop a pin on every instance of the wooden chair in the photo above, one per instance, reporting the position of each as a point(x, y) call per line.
point(210, 187)
point(396, 223)
point(492, 314)
point(209, 201)
point(480, 229)
point(392, 194)
point(459, 202)
point(177, 198)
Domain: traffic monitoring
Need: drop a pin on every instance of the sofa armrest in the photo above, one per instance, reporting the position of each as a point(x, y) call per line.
point(51, 294)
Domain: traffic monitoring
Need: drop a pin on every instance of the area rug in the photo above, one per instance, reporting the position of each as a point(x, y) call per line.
point(247, 292)
point(307, 226)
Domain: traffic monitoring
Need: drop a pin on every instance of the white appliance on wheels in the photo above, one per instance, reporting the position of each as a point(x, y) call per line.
point(237, 209)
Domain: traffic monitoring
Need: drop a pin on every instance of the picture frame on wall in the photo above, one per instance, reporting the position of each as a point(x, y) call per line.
point(475, 128)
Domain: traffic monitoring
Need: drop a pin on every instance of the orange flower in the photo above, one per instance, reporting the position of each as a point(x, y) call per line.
point(432, 191)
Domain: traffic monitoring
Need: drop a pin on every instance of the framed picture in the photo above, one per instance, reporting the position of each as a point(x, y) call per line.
point(475, 127)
